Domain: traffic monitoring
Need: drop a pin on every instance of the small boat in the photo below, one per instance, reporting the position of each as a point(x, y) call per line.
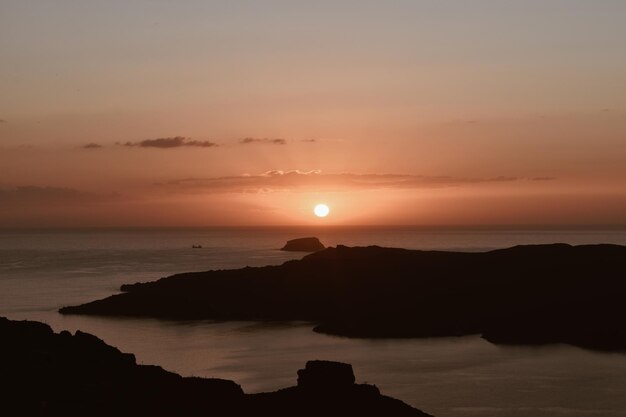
point(196, 246)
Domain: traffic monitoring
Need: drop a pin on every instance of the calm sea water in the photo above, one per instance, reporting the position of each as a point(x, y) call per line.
point(41, 271)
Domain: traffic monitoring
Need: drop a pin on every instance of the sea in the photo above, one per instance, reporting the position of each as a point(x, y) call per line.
point(42, 270)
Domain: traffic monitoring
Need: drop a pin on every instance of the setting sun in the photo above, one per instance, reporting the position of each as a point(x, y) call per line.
point(321, 210)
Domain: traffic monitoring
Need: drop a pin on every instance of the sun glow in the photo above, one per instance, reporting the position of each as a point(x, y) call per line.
point(321, 210)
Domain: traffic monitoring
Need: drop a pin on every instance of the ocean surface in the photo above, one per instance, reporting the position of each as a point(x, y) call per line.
point(41, 271)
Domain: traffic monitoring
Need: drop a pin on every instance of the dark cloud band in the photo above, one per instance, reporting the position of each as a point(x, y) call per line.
point(270, 141)
point(92, 146)
point(315, 180)
point(169, 143)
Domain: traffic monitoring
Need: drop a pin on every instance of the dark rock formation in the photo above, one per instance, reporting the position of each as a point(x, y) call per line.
point(325, 375)
point(47, 374)
point(328, 388)
point(304, 244)
point(525, 294)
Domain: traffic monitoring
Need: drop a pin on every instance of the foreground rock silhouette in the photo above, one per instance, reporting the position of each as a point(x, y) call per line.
point(303, 244)
point(60, 374)
point(522, 295)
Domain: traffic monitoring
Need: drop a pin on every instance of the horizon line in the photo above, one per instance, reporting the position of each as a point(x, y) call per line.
point(539, 226)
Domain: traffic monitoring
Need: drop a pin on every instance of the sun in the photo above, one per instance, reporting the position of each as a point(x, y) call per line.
point(321, 210)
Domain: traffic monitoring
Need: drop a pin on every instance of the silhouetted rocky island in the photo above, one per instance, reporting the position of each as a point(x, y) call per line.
point(49, 374)
point(522, 295)
point(303, 244)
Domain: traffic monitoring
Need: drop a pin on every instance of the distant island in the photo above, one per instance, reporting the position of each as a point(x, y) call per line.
point(303, 244)
point(49, 374)
point(537, 294)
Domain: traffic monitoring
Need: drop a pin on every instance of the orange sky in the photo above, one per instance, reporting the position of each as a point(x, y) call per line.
point(233, 113)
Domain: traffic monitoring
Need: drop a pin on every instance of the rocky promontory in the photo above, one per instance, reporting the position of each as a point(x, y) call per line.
point(47, 374)
point(533, 294)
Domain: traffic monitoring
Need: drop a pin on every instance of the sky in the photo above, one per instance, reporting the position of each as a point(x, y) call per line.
point(221, 113)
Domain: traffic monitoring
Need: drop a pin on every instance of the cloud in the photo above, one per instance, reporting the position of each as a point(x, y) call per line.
point(271, 141)
point(543, 179)
point(43, 195)
point(309, 140)
point(173, 142)
point(91, 146)
point(315, 180)
point(3, 121)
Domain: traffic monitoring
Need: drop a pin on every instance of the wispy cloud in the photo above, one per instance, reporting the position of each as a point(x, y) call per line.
point(315, 180)
point(91, 146)
point(270, 141)
point(43, 195)
point(169, 143)
point(3, 121)
point(543, 179)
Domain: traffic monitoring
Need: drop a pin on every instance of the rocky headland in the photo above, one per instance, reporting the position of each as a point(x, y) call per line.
point(534, 294)
point(49, 374)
